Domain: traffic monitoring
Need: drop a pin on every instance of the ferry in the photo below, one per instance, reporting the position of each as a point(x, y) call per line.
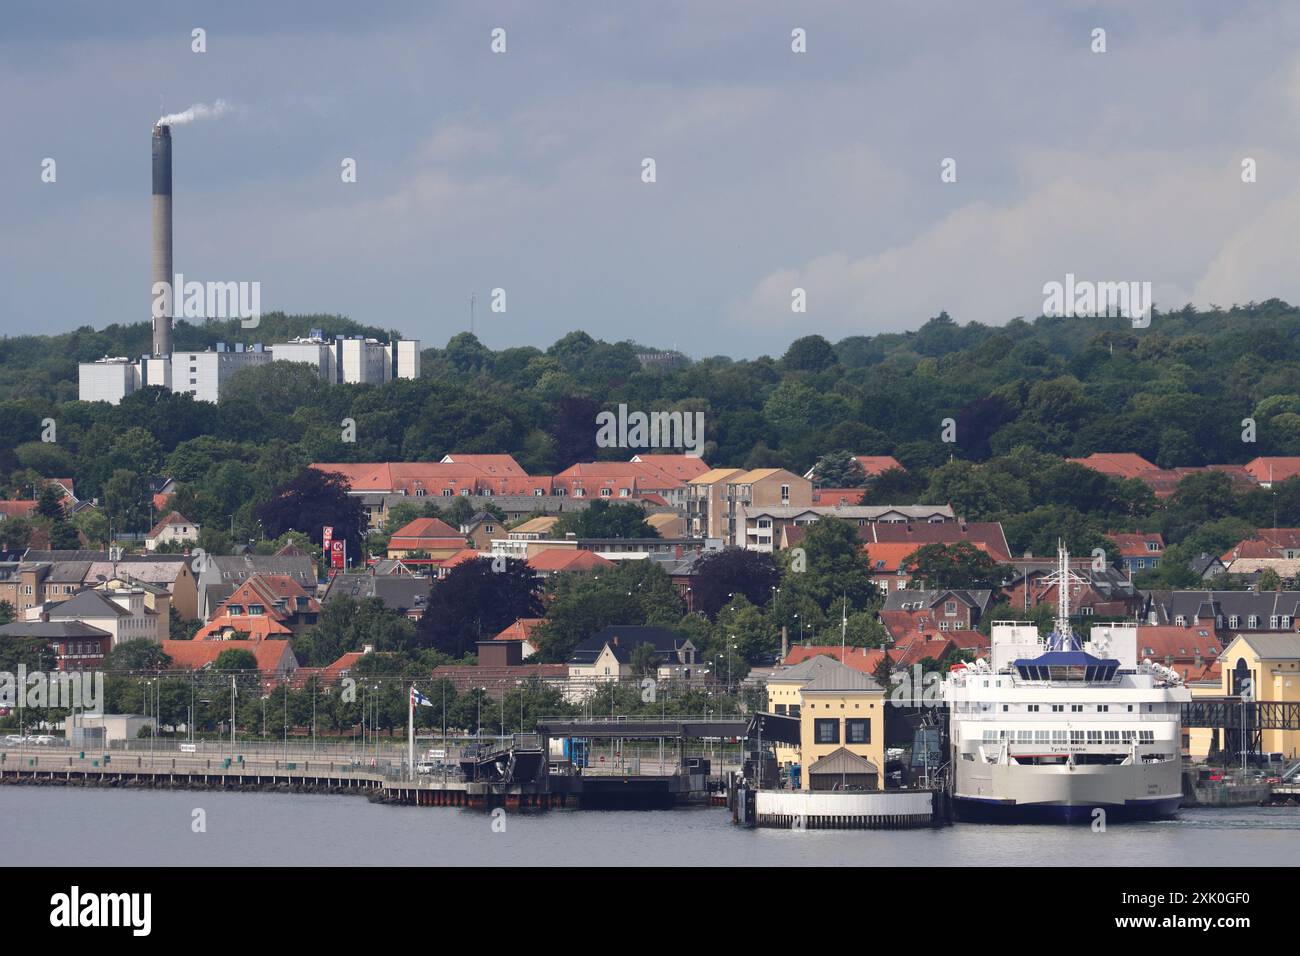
point(1061, 730)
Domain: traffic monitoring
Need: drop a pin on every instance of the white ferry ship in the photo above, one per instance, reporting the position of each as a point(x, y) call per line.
point(1052, 730)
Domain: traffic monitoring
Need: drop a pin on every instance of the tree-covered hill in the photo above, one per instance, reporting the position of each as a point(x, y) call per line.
point(1021, 397)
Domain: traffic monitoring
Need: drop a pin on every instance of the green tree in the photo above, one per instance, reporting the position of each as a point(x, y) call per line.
point(601, 519)
point(838, 469)
point(236, 659)
point(960, 565)
point(50, 503)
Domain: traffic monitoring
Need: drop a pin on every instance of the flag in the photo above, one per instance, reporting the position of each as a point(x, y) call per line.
point(418, 698)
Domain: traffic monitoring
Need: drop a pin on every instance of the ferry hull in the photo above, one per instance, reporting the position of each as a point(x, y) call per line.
point(978, 810)
point(1059, 794)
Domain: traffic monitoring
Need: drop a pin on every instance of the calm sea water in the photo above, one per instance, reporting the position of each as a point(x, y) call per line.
point(55, 826)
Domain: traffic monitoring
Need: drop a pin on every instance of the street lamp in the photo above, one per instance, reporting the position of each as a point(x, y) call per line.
point(730, 645)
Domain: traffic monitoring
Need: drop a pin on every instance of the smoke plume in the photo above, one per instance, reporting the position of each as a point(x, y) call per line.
point(196, 112)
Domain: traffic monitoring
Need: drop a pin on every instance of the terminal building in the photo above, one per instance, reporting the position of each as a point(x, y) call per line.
point(203, 374)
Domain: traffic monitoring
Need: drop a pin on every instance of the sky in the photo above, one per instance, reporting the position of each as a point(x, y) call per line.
point(774, 170)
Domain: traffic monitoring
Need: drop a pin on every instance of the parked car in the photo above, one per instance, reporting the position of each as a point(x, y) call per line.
point(43, 740)
point(15, 740)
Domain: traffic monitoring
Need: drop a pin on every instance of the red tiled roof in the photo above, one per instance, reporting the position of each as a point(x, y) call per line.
point(343, 664)
point(862, 659)
point(268, 590)
point(521, 630)
point(681, 467)
point(986, 533)
point(1162, 642)
point(878, 464)
point(1116, 464)
point(192, 655)
point(1272, 469)
point(567, 559)
point(830, 497)
point(1266, 543)
point(460, 557)
point(426, 534)
point(494, 465)
point(17, 509)
point(258, 627)
point(174, 518)
point(893, 553)
point(1135, 545)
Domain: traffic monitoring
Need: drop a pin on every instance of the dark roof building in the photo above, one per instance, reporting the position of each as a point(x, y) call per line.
point(404, 593)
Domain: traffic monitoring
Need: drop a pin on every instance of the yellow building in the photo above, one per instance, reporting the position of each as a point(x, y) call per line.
point(839, 709)
point(842, 731)
point(1272, 663)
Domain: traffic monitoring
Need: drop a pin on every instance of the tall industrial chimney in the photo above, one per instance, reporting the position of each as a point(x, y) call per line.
point(162, 234)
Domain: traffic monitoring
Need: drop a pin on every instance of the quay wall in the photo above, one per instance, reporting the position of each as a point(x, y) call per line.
point(840, 810)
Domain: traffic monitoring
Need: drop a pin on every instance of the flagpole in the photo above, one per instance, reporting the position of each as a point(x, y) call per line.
point(410, 731)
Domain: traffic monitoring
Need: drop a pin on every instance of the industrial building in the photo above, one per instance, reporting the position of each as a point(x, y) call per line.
point(356, 360)
point(204, 374)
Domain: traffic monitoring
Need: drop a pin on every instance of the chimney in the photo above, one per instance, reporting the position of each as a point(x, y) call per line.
point(162, 236)
point(785, 643)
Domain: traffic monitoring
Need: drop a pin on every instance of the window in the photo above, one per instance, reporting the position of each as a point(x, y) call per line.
point(950, 608)
point(1232, 621)
point(780, 708)
point(826, 731)
point(1180, 621)
point(1076, 736)
point(1033, 708)
point(785, 494)
point(1146, 736)
point(1252, 621)
point(857, 730)
point(1103, 708)
point(604, 492)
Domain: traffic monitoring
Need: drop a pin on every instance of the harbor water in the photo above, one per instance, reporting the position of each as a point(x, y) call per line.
point(69, 826)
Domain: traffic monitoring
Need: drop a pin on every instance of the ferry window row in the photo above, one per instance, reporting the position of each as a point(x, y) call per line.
point(1061, 737)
